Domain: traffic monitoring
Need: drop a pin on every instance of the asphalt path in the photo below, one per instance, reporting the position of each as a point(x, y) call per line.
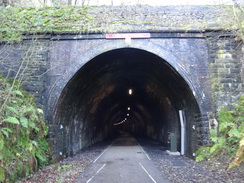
point(124, 161)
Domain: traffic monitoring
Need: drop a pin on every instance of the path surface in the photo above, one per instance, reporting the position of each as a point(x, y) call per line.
point(177, 169)
point(124, 161)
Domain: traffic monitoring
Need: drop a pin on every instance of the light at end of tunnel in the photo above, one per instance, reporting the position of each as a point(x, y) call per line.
point(128, 114)
point(130, 91)
point(128, 108)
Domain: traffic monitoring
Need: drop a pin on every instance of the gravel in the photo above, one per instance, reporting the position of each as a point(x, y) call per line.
point(68, 169)
point(178, 169)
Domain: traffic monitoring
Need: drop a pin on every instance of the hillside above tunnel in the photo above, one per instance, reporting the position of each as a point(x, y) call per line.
point(16, 22)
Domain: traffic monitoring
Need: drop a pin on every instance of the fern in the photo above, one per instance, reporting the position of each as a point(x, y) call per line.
point(230, 140)
point(12, 120)
point(12, 109)
point(22, 132)
point(17, 92)
point(6, 131)
point(239, 157)
point(24, 122)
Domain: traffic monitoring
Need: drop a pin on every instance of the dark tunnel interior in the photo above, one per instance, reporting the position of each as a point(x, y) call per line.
point(124, 89)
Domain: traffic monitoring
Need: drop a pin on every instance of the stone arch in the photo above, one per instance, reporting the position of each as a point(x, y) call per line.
point(150, 48)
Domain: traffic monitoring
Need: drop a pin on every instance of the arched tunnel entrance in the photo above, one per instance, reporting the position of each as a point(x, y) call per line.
point(125, 89)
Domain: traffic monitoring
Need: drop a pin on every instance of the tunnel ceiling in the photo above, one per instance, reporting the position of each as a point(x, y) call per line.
point(97, 97)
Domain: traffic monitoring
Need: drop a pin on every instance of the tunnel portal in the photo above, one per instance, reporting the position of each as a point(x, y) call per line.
point(124, 89)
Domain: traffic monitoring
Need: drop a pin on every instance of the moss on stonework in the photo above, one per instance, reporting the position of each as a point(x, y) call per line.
point(220, 52)
point(130, 21)
point(16, 21)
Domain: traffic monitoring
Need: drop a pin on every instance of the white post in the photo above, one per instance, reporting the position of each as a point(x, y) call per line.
point(182, 124)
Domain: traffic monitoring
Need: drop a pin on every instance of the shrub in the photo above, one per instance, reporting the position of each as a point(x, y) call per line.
point(230, 138)
point(23, 147)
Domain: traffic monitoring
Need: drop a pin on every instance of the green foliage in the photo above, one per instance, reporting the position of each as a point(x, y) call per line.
point(16, 21)
point(202, 153)
point(23, 146)
point(63, 167)
point(231, 134)
point(69, 19)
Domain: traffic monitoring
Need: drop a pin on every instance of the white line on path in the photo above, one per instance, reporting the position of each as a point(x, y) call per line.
point(96, 173)
point(148, 173)
point(144, 152)
point(103, 152)
point(99, 156)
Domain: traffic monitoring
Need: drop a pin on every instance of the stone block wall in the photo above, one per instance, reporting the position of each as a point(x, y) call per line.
point(226, 70)
point(28, 62)
point(31, 61)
